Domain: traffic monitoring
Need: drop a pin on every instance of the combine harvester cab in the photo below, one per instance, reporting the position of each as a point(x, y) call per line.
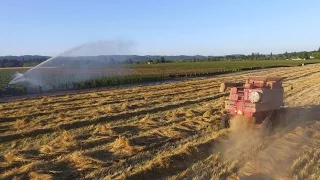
point(259, 100)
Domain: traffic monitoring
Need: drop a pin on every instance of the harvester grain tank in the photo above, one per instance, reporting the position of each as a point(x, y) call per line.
point(259, 99)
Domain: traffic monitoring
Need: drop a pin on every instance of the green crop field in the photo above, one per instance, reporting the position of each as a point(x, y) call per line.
point(6, 74)
point(220, 64)
point(153, 72)
point(211, 66)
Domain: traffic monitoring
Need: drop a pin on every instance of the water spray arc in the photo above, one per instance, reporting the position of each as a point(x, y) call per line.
point(78, 64)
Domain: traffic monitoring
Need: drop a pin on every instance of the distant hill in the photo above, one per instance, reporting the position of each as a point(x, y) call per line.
point(33, 60)
point(24, 57)
point(122, 57)
point(136, 58)
point(20, 61)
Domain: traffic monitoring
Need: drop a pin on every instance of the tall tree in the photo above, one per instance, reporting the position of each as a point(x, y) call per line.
point(316, 55)
point(156, 61)
point(162, 60)
point(271, 56)
point(303, 55)
point(286, 55)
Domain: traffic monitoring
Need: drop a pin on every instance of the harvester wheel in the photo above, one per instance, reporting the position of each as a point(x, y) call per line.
point(224, 123)
point(266, 128)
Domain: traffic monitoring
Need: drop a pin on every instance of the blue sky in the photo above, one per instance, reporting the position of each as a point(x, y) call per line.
point(166, 27)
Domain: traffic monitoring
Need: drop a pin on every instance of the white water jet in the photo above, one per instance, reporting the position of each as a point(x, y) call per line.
point(84, 62)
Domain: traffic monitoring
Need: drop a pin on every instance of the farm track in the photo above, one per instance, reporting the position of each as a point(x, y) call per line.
point(172, 135)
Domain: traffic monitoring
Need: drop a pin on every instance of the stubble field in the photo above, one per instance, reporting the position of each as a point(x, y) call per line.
point(167, 131)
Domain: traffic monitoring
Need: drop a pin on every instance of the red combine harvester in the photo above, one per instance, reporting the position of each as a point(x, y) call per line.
point(259, 99)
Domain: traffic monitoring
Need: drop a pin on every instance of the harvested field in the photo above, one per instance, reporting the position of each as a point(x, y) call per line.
point(167, 131)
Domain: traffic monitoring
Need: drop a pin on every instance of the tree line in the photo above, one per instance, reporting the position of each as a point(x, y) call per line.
point(21, 61)
point(254, 56)
point(30, 61)
point(271, 56)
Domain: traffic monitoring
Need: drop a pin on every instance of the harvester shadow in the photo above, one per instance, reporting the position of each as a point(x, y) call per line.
point(299, 116)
